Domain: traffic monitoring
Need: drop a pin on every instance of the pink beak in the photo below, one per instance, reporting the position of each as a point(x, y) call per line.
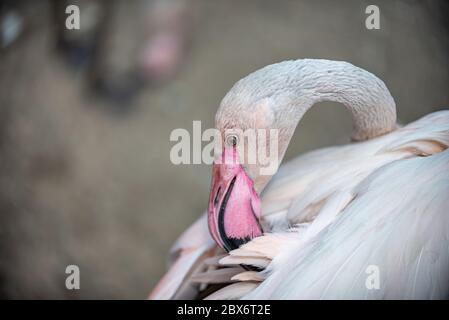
point(234, 206)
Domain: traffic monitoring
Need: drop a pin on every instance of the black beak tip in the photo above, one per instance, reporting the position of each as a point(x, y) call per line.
point(231, 244)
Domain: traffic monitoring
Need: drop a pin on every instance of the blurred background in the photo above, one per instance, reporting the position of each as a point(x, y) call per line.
point(85, 118)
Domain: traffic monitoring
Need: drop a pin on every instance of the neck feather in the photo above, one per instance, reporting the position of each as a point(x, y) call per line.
point(295, 86)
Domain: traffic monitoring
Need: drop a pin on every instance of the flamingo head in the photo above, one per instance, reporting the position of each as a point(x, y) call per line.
point(255, 105)
point(234, 209)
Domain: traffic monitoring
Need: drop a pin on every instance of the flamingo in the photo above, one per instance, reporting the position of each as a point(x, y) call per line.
point(325, 221)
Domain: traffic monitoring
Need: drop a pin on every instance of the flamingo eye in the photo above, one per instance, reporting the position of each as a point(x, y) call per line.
point(232, 140)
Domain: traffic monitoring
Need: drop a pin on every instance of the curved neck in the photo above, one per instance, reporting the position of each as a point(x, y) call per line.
point(363, 94)
point(277, 96)
point(295, 86)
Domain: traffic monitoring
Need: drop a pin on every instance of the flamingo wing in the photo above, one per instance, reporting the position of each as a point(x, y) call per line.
point(397, 225)
point(377, 204)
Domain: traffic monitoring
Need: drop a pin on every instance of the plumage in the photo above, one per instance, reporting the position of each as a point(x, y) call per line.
point(223, 275)
point(334, 215)
point(398, 221)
